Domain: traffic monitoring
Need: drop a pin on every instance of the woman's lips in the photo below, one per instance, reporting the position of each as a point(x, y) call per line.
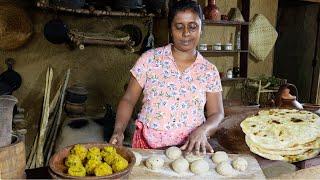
point(186, 42)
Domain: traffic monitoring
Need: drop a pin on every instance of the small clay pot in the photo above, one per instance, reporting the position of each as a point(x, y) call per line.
point(76, 94)
point(74, 108)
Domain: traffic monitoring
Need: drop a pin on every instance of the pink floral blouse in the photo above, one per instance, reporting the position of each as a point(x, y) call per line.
point(173, 101)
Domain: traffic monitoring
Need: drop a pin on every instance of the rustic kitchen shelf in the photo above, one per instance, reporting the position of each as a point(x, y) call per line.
point(95, 12)
point(232, 79)
point(223, 51)
point(225, 23)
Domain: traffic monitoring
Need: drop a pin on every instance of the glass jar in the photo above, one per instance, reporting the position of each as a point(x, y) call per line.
point(217, 47)
point(228, 47)
point(203, 47)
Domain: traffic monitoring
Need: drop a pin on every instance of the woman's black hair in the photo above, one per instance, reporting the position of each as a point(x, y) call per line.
point(182, 6)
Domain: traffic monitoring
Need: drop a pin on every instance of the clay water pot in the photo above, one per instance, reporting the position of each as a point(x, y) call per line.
point(211, 11)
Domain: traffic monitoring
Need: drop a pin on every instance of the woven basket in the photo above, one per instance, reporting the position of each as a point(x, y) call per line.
point(262, 37)
point(15, 27)
point(235, 15)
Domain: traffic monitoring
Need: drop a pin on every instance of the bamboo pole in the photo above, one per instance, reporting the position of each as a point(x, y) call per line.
point(44, 119)
point(52, 143)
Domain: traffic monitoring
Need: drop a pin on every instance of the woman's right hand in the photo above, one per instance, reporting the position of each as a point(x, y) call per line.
point(117, 139)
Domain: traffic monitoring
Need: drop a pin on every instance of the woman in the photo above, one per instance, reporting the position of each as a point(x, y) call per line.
point(177, 84)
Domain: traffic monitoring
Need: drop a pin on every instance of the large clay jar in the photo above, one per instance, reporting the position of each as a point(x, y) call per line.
point(212, 12)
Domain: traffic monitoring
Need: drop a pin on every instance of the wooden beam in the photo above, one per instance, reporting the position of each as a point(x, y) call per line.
point(315, 1)
point(245, 39)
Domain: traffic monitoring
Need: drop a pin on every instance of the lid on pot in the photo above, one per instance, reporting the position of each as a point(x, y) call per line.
point(77, 89)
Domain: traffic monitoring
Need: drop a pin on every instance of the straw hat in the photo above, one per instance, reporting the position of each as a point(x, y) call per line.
point(15, 27)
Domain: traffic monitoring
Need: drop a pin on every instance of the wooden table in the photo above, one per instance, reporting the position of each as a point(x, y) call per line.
point(142, 172)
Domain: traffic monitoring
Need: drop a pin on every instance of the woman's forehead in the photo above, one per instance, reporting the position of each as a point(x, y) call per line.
point(187, 15)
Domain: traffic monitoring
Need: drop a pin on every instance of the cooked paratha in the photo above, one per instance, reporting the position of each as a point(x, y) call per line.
point(250, 143)
point(281, 129)
point(289, 158)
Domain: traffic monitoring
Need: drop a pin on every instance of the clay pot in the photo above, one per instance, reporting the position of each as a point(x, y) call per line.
point(76, 94)
point(211, 11)
point(74, 108)
point(287, 97)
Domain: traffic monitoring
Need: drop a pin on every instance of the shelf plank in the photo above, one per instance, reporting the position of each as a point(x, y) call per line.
point(233, 79)
point(224, 51)
point(95, 12)
point(225, 23)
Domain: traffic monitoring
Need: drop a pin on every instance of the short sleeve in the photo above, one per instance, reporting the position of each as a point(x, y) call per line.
point(140, 69)
point(213, 80)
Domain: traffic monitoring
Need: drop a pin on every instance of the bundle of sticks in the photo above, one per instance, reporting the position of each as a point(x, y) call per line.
point(115, 38)
point(50, 122)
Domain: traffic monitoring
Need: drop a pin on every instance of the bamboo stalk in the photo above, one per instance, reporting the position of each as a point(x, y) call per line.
point(32, 152)
point(44, 119)
point(49, 139)
point(54, 101)
point(52, 143)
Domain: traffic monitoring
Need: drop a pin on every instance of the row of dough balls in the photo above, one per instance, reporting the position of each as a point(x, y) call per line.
point(197, 164)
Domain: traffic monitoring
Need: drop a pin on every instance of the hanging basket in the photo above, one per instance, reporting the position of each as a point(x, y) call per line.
point(15, 27)
point(262, 37)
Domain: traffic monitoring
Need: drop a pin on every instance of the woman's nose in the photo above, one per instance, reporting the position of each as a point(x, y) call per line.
point(186, 32)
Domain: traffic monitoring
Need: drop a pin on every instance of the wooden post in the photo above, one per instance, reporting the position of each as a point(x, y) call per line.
point(245, 39)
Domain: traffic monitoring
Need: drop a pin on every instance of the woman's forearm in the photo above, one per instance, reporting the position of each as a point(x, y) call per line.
point(124, 112)
point(212, 123)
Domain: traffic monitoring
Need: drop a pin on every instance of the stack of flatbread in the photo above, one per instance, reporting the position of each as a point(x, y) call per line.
point(283, 134)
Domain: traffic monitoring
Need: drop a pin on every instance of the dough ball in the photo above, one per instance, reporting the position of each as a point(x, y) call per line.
point(173, 152)
point(180, 165)
point(138, 158)
point(225, 169)
point(199, 166)
point(190, 157)
point(240, 164)
point(219, 157)
point(154, 162)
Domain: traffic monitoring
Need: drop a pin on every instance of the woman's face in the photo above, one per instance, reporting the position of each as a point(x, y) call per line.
point(186, 30)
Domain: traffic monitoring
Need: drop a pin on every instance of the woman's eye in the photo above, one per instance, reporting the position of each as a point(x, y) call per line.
point(179, 26)
point(193, 26)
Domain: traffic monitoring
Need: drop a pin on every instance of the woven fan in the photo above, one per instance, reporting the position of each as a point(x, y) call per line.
point(262, 37)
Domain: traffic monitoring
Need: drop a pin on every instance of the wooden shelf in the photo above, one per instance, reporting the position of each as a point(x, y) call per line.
point(224, 51)
point(232, 79)
point(225, 23)
point(94, 12)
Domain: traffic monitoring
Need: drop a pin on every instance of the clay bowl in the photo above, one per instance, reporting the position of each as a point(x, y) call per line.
point(311, 107)
point(58, 169)
point(229, 134)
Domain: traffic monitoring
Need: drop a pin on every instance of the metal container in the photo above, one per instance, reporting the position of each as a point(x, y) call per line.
point(217, 47)
point(203, 47)
point(7, 103)
point(228, 47)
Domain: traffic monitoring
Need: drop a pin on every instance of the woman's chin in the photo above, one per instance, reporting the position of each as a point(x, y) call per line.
point(183, 47)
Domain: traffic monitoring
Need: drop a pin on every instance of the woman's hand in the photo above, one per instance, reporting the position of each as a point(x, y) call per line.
point(198, 142)
point(117, 139)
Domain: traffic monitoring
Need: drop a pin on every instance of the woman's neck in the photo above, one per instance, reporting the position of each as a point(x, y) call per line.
point(184, 56)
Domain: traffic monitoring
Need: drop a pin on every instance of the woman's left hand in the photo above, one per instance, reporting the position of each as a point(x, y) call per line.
point(198, 142)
